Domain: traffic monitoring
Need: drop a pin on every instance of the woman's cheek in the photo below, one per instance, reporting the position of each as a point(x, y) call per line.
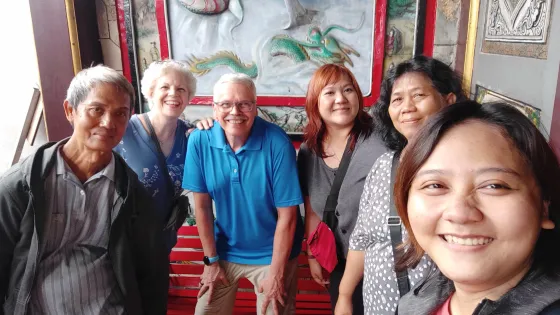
point(423, 214)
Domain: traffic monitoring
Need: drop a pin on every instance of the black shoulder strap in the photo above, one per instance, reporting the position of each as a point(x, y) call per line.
point(161, 156)
point(394, 223)
point(332, 199)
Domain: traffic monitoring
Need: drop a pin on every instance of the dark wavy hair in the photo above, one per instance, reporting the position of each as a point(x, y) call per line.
point(443, 78)
point(525, 137)
point(314, 131)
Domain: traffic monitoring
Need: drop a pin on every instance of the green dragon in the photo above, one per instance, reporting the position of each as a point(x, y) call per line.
point(320, 48)
point(399, 8)
point(201, 66)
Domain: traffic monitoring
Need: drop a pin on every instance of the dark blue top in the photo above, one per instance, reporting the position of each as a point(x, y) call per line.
point(247, 187)
point(141, 154)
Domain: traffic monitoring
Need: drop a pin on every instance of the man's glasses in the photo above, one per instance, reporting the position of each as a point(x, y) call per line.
point(226, 107)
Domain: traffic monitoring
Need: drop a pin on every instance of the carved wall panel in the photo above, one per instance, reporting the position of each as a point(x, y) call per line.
point(524, 21)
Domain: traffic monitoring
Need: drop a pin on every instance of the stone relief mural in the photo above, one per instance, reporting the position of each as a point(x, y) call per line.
point(524, 21)
point(293, 38)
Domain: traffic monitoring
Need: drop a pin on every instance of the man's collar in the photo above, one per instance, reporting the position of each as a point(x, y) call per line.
point(254, 142)
point(63, 168)
point(218, 138)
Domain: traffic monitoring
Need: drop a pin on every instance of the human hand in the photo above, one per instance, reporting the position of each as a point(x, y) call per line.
point(343, 305)
point(317, 272)
point(205, 123)
point(273, 288)
point(212, 276)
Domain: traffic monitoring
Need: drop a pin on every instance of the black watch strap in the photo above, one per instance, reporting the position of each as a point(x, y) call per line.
point(210, 260)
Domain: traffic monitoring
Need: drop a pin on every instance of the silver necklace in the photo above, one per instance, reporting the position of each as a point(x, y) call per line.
point(330, 150)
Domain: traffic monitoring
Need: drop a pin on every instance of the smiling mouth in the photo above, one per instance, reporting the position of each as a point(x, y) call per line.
point(467, 241)
point(235, 121)
point(104, 137)
point(172, 103)
point(410, 121)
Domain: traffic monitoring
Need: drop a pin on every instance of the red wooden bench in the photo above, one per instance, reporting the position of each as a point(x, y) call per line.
point(186, 267)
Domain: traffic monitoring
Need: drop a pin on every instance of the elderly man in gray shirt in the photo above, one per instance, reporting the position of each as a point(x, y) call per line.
point(78, 232)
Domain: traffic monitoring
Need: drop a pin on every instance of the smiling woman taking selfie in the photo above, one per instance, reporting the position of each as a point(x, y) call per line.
point(478, 191)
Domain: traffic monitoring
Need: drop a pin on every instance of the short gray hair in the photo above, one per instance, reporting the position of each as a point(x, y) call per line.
point(89, 78)
point(159, 68)
point(237, 78)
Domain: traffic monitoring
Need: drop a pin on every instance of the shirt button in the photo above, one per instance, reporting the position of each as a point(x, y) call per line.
point(235, 170)
point(343, 231)
point(82, 192)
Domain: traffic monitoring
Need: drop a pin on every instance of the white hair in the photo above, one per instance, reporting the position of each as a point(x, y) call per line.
point(237, 78)
point(159, 68)
point(89, 78)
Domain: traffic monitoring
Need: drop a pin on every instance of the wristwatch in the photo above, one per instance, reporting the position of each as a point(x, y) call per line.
point(210, 260)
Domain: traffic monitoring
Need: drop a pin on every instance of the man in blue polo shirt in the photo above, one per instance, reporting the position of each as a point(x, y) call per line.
point(247, 166)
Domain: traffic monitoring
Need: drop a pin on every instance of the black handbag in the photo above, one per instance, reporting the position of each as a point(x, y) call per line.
point(180, 206)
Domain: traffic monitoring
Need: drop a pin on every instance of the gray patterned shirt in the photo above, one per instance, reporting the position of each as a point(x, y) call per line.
point(371, 234)
point(75, 275)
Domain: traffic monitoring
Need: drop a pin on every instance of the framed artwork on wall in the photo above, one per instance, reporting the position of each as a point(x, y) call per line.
point(484, 95)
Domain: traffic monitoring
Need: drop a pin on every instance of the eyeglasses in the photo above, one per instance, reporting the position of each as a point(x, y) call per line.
point(226, 107)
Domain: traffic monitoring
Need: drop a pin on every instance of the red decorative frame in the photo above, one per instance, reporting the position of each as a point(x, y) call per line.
point(119, 4)
point(378, 50)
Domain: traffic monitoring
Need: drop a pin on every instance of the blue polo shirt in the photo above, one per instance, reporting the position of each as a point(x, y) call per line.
point(247, 187)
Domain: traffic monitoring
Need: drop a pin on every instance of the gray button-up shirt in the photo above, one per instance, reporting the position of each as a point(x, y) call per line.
point(75, 274)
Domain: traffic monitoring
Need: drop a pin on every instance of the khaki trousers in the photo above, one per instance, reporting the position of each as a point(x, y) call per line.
point(224, 296)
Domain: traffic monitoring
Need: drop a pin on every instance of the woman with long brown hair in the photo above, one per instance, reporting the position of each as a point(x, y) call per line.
point(337, 124)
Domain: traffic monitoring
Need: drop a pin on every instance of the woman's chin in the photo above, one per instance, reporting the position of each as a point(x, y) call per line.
point(467, 274)
point(172, 113)
point(342, 122)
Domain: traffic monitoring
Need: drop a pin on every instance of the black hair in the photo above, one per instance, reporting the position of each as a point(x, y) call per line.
point(443, 78)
